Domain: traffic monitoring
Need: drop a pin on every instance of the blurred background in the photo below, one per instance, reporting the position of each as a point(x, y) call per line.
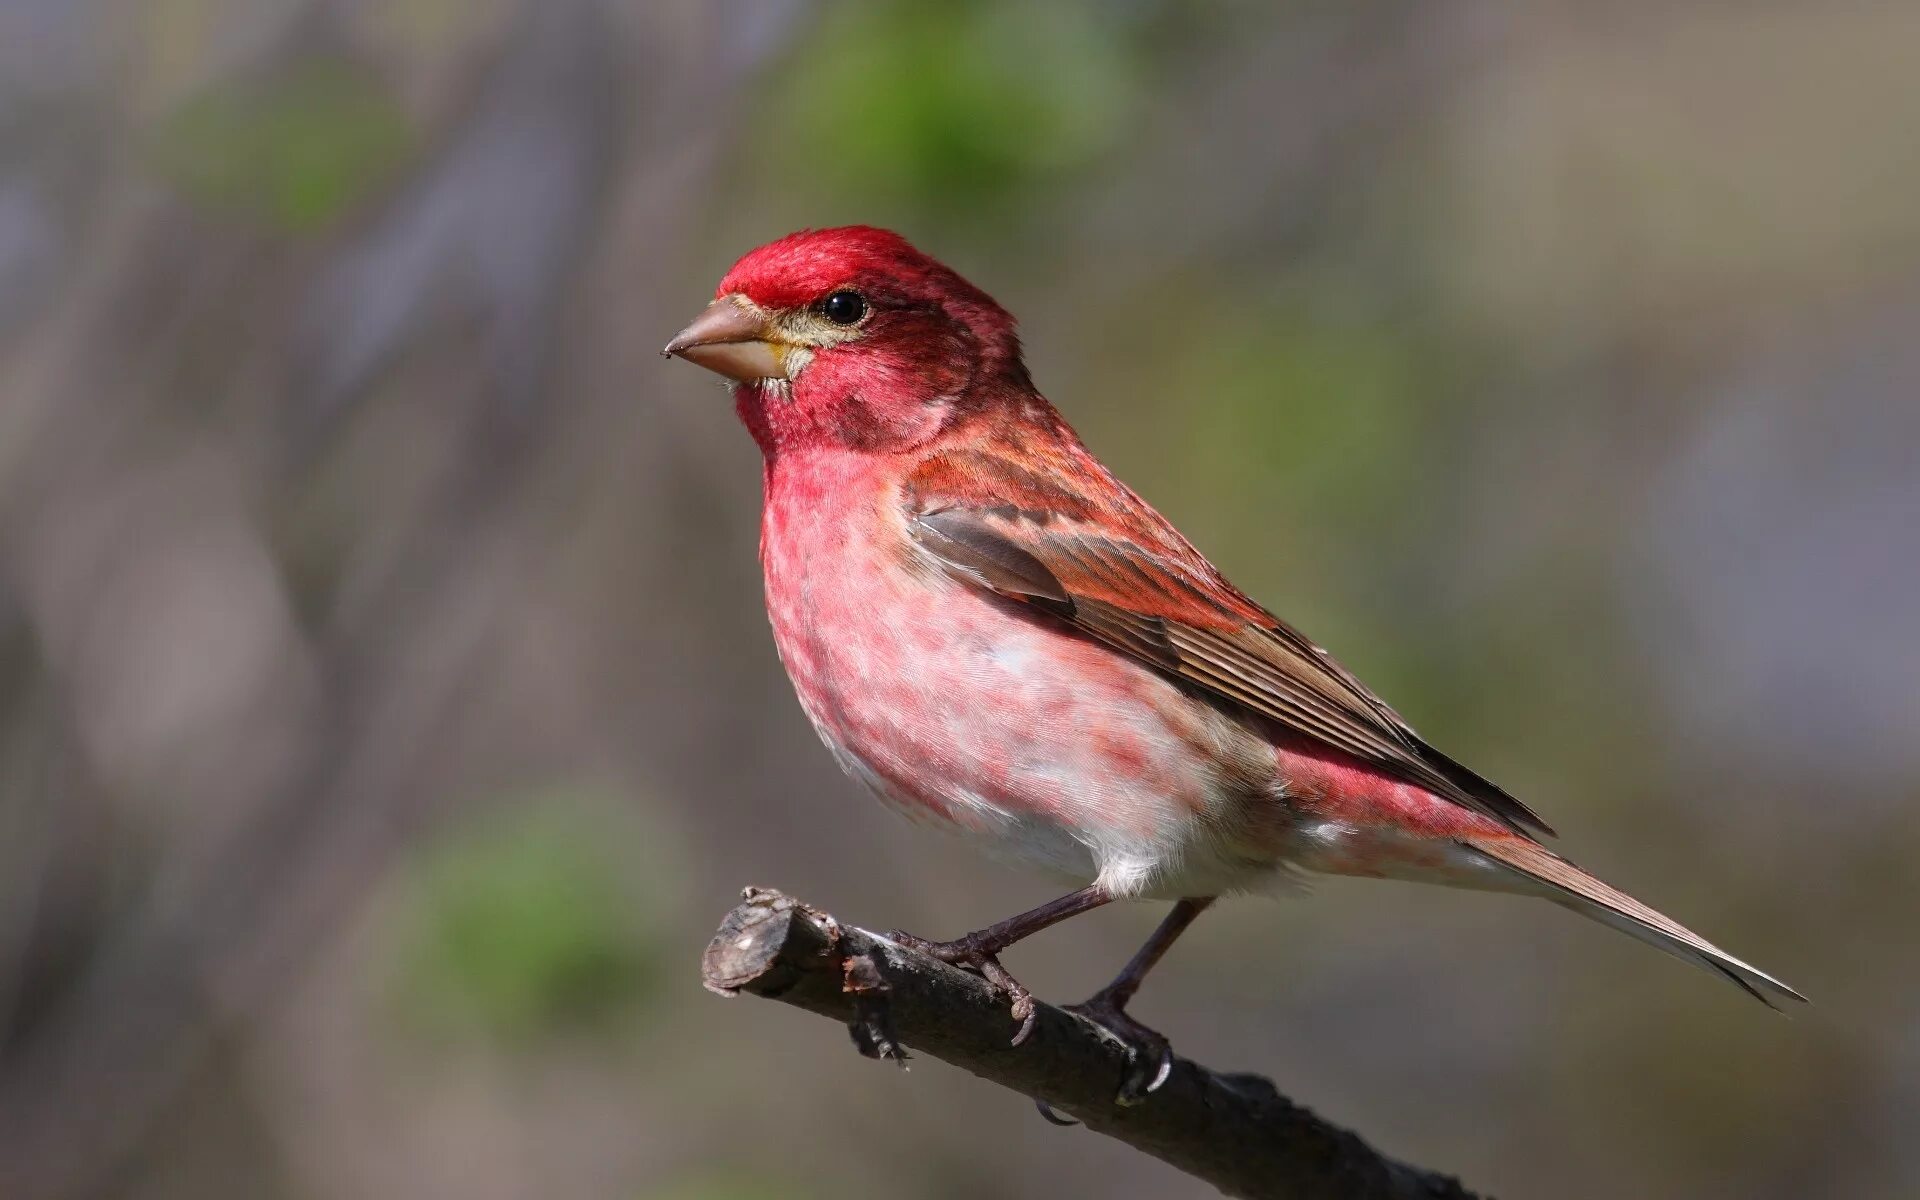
point(387, 712)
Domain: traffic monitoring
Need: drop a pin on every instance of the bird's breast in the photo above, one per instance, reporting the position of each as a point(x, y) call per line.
point(977, 714)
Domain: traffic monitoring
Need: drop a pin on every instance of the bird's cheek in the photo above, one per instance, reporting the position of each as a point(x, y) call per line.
point(950, 371)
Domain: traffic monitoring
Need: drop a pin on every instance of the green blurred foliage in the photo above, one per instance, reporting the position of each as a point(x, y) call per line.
point(727, 1184)
point(944, 108)
point(293, 151)
point(1288, 408)
point(527, 924)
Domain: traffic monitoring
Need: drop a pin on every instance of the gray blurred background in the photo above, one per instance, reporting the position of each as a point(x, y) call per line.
point(386, 707)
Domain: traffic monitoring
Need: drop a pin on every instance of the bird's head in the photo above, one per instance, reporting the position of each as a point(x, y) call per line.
point(851, 335)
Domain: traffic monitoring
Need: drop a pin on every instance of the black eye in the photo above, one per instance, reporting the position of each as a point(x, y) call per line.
point(843, 308)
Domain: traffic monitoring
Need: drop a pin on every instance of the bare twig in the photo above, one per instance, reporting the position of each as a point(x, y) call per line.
point(1234, 1131)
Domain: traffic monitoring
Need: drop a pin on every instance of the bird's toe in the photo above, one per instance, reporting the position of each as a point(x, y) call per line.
point(1149, 1055)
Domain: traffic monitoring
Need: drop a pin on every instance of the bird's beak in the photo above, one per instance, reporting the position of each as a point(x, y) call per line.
point(734, 338)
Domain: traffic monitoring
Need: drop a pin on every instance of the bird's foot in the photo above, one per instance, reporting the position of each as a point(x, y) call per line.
point(1149, 1057)
point(974, 954)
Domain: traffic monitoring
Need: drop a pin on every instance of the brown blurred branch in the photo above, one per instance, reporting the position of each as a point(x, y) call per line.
point(1236, 1132)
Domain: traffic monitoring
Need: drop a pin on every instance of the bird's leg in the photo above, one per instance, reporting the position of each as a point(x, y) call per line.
point(980, 950)
point(1151, 1059)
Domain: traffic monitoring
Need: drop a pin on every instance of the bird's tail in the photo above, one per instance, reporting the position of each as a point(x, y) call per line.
point(1568, 885)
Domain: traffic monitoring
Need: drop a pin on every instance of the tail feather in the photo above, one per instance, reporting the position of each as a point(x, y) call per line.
point(1581, 892)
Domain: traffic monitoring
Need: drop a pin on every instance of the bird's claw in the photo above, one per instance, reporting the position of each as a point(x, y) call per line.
point(970, 955)
point(1149, 1056)
point(1020, 999)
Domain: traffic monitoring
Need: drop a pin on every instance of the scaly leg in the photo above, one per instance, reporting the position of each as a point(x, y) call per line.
point(1152, 1058)
point(980, 950)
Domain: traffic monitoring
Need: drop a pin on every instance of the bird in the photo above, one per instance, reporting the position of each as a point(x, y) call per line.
point(1002, 640)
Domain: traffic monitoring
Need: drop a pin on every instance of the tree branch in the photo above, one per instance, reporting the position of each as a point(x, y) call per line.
point(1237, 1132)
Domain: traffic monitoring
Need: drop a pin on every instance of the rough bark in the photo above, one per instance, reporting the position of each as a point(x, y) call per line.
point(1236, 1131)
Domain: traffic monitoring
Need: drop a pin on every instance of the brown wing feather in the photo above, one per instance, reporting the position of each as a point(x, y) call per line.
point(1151, 595)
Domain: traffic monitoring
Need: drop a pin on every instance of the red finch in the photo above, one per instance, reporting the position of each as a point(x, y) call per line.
point(1002, 640)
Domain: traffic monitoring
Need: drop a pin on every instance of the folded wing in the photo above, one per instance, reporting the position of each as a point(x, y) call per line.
point(1105, 563)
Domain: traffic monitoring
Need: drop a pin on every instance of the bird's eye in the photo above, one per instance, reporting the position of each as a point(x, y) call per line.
point(844, 308)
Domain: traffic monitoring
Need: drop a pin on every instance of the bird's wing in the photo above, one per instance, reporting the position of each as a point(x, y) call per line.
point(1099, 558)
